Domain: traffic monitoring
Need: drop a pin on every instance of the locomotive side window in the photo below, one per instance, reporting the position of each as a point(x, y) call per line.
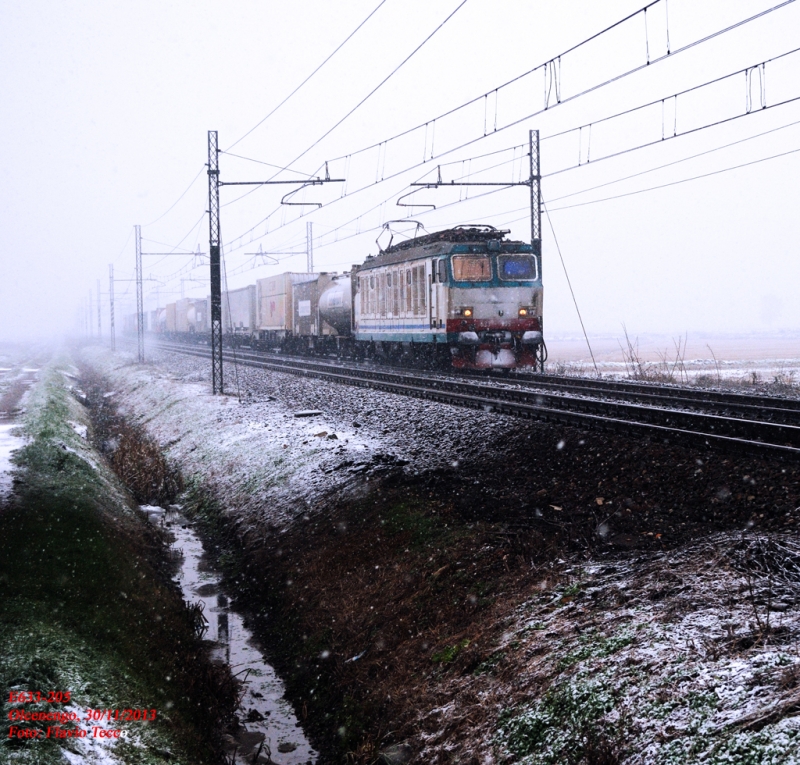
point(517, 267)
point(418, 287)
point(408, 290)
point(442, 277)
point(471, 268)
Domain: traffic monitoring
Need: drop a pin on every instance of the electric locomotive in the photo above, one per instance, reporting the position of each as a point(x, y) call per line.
point(466, 295)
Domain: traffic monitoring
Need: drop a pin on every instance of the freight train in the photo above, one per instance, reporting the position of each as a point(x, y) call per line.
point(467, 297)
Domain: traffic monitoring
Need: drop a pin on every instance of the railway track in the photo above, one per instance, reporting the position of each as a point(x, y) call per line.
point(673, 415)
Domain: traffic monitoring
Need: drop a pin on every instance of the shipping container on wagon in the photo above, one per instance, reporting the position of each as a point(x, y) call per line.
point(171, 324)
point(276, 304)
point(198, 314)
point(239, 310)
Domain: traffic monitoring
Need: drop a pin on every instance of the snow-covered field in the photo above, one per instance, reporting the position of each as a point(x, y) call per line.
point(687, 655)
point(744, 360)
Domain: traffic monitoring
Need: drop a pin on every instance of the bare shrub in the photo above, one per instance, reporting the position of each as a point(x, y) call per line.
point(671, 368)
point(138, 461)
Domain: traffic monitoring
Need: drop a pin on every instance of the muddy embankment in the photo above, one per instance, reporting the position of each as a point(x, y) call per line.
point(89, 610)
point(440, 585)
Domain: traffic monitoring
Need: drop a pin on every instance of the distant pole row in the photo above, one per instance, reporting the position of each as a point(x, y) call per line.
point(215, 248)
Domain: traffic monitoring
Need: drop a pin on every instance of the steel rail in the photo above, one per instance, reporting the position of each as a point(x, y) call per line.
point(761, 408)
point(745, 405)
point(670, 425)
point(688, 393)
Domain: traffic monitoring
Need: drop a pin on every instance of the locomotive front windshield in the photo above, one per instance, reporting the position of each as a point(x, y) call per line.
point(472, 268)
point(515, 268)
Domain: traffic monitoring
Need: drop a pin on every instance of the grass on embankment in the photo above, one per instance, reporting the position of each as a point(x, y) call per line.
point(87, 606)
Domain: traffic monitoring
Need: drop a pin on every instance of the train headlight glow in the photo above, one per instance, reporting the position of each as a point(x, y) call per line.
point(523, 311)
point(467, 312)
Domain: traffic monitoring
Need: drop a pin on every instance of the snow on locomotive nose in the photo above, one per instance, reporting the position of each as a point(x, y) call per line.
point(466, 294)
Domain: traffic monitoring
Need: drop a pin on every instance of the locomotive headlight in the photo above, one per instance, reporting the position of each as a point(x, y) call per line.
point(523, 311)
point(467, 312)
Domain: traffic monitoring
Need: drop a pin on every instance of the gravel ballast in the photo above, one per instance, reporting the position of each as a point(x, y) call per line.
point(385, 545)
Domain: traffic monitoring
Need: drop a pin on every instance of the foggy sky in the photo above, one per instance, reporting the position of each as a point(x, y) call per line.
point(107, 106)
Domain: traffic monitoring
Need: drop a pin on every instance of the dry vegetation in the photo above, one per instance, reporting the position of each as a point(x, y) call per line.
point(457, 612)
point(87, 601)
point(389, 615)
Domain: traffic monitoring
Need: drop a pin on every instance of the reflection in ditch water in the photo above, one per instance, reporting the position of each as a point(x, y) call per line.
point(264, 714)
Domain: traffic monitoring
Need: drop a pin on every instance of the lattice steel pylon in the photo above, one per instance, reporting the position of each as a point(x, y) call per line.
point(214, 257)
point(536, 193)
point(536, 221)
point(139, 294)
point(111, 306)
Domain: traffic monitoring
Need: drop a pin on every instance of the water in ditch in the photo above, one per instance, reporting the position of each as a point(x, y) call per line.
point(10, 437)
point(268, 725)
point(9, 443)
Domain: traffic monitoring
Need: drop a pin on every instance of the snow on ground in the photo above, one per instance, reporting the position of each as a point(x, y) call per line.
point(259, 454)
point(680, 657)
point(9, 443)
point(14, 385)
point(707, 359)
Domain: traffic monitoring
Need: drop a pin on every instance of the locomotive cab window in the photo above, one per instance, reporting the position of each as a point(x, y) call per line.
point(517, 267)
point(442, 271)
point(469, 268)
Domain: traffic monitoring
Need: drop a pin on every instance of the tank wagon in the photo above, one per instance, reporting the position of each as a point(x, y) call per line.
point(467, 297)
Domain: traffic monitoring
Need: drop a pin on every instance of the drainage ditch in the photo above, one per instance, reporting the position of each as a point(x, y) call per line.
point(265, 729)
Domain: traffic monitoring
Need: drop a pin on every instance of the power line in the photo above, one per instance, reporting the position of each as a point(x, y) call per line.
point(445, 114)
point(571, 291)
point(550, 63)
point(675, 183)
point(493, 191)
point(200, 172)
point(378, 86)
point(261, 162)
point(516, 220)
point(497, 89)
point(586, 91)
point(674, 97)
point(670, 164)
point(337, 49)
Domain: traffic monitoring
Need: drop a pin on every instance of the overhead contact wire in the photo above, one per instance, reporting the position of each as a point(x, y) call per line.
point(336, 50)
point(377, 87)
point(591, 89)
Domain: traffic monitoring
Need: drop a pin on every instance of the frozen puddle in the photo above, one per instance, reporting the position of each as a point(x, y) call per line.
point(8, 445)
point(264, 714)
